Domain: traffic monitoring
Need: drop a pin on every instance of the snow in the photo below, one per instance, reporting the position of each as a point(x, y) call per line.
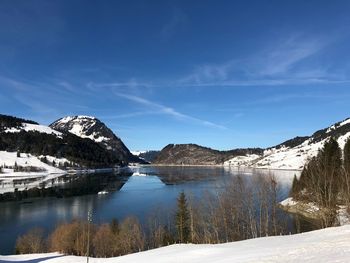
point(80, 124)
point(137, 153)
point(80, 117)
point(325, 245)
point(333, 127)
point(342, 140)
point(285, 158)
point(58, 161)
point(34, 127)
point(26, 160)
point(313, 211)
point(242, 160)
point(78, 130)
point(138, 174)
point(288, 202)
point(343, 216)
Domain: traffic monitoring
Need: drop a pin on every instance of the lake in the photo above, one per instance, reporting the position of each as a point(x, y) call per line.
point(149, 189)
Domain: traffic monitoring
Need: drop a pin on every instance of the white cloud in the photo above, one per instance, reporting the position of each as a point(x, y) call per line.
point(161, 109)
point(287, 61)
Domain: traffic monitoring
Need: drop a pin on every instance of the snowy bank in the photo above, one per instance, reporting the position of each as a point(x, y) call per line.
point(312, 211)
point(326, 245)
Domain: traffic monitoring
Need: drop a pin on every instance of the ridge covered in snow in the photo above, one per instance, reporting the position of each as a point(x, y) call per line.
point(293, 154)
point(34, 127)
point(325, 245)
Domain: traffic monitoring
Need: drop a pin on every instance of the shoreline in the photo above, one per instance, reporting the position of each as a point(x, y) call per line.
point(219, 165)
point(313, 212)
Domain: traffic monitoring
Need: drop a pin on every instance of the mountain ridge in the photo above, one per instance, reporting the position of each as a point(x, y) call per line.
point(92, 128)
point(290, 154)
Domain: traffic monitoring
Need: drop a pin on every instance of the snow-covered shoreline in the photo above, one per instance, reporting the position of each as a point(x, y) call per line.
point(325, 245)
point(312, 211)
point(11, 180)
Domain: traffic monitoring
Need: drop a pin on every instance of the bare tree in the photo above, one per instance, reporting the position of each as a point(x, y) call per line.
point(31, 242)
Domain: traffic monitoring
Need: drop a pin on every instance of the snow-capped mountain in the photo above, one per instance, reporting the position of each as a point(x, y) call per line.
point(93, 129)
point(294, 153)
point(19, 136)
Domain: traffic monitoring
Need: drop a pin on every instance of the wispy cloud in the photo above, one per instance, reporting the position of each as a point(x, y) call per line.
point(46, 100)
point(130, 115)
point(161, 109)
point(288, 61)
point(283, 56)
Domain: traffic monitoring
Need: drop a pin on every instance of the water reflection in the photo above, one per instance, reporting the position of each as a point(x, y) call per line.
point(71, 185)
point(148, 190)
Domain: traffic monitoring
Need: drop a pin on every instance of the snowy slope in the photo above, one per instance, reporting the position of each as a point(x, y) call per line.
point(26, 160)
point(294, 154)
point(80, 126)
point(34, 127)
point(326, 245)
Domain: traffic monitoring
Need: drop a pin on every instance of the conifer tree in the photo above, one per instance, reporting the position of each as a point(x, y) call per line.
point(321, 176)
point(346, 184)
point(182, 219)
point(347, 156)
point(330, 176)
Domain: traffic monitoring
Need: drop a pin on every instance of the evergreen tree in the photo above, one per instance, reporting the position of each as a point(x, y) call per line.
point(330, 172)
point(295, 187)
point(346, 183)
point(347, 157)
point(182, 219)
point(321, 176)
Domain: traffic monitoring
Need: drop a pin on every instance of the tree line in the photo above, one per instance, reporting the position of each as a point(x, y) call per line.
point(81, 151)
point(243, 208)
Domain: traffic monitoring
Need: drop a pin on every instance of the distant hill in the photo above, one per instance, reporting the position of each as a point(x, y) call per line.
point(148, 156)
point(193, 154)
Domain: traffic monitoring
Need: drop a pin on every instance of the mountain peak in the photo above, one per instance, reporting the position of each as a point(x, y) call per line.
point(75, 118)
point(92, 128)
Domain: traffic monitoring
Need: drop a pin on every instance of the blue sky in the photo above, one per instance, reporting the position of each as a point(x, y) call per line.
point(223, 74)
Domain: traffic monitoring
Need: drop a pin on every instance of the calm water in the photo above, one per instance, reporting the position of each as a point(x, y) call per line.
point(149, 189)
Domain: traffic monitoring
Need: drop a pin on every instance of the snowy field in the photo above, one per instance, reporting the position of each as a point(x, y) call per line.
point(326, 245)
